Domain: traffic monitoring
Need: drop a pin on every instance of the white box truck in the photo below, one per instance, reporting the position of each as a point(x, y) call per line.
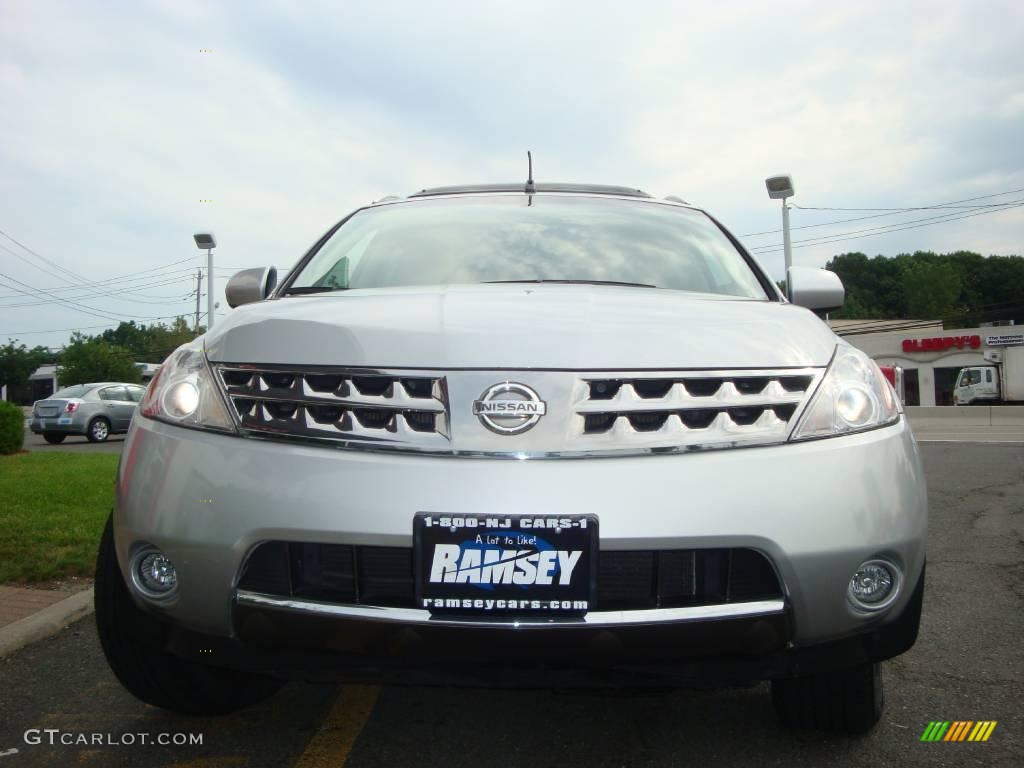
point(1002, 381)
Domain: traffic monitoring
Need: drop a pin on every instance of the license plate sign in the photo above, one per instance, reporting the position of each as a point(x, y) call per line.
point(534, 564)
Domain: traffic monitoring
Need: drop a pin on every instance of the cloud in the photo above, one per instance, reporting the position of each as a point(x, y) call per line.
point(119, 125)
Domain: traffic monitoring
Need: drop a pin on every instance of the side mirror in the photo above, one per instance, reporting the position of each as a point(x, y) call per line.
point(250, 285)
point(816, 289)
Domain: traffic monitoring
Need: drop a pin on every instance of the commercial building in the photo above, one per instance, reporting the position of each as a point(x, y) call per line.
point(930, 355)
point(43, 382)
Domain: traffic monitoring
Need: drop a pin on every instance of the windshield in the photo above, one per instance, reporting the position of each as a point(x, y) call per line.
point(518, 238)
point(79, 390)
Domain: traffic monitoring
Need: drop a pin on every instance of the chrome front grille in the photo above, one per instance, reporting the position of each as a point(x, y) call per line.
point(699, 409)
point(587, 413)
point(336, 404)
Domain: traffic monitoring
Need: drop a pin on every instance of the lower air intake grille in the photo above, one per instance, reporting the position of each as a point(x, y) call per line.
point(627, 579)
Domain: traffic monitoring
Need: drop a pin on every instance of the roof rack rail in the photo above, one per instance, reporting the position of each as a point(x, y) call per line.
point(676, 199)
point(594, 189)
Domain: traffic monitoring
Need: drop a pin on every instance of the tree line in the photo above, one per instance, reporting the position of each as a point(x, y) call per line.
point(107, 356)
point(962, 288)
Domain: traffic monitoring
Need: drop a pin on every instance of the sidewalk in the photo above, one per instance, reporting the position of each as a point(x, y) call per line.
point(17, 603)
point(28, 615)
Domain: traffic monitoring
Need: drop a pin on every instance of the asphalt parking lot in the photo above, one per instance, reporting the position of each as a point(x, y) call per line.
point(967, 665)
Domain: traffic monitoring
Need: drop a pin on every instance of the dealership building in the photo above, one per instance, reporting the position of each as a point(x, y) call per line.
point(930, 355)
point(43, 382)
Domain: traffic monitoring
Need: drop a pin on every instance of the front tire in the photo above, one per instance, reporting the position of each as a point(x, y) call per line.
point(98, 431)
point(846, 700)
point(131, 639)
point(54, 438)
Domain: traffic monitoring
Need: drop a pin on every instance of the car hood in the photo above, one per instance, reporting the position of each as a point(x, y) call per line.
point(522, 326)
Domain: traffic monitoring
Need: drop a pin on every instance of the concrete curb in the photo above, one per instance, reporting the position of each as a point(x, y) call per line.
point(45, 623)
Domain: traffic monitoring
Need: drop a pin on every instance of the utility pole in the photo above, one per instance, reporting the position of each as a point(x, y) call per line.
point(199, 292)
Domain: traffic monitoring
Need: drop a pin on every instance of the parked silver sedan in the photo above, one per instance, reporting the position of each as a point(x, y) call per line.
point(94, 410)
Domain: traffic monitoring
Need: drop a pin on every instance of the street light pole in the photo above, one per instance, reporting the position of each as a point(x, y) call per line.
point(787, 246)
point(206, 242)
point(781, 187)
point(209, 283)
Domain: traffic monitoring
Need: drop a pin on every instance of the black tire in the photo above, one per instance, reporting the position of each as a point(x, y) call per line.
point(98, 430)
point(846, 700)
point(54, 438)
point(131, 641)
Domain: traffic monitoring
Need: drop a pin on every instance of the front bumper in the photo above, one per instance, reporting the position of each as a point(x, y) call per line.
point(308, 642)
point(816, 510)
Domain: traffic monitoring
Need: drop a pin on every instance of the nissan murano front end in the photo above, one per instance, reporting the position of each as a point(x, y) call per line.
point(560, 435)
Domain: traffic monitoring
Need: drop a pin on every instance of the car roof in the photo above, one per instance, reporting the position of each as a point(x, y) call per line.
point(592, 189)
point(96, 384)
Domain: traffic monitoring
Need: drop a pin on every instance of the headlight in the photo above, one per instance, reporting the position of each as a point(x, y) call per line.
point(853, 396)
point(184, 393)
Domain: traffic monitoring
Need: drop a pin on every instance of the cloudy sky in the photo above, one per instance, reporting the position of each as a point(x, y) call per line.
point(118, 119)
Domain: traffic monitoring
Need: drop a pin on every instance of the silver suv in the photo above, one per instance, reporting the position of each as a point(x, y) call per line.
point(553, 435)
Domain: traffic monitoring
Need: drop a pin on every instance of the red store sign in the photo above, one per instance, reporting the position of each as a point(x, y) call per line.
point(941, 343)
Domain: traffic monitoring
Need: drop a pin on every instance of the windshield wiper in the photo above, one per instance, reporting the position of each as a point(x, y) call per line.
point(579, 282)
point(300, 289)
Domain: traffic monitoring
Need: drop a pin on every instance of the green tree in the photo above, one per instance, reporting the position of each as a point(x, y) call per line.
point(17, 362)
point(874, 287)
point(932, 287)
point(962, 288)
point(93, 359)
point(150, 343)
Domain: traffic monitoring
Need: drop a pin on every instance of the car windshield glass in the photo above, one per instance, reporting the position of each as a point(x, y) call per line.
point(79, 390)
point(511, 238)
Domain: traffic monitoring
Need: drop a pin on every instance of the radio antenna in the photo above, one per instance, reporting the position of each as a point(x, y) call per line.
point(530, 189)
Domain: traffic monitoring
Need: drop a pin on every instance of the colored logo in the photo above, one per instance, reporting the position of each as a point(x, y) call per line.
point(958, 730)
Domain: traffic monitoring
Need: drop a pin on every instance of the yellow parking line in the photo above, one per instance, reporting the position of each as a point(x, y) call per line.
point(331, 744)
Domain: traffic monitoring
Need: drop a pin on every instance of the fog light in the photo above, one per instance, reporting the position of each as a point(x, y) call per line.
point(157, 573)
point(874, 585)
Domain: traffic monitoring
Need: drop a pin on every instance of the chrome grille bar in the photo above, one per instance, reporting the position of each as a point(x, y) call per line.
point(605, 413)
point(351, 406)
point(701, 409)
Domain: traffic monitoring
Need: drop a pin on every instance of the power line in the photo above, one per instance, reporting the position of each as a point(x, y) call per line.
point(937, 219)
point(913, 208)
point(70, 305)
point(892, 212)
point(44, 259)
point(122, 282)
point(68, 302)
point(148, 300)
point(80, 281)
point(33, 264)
point(842, 236)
